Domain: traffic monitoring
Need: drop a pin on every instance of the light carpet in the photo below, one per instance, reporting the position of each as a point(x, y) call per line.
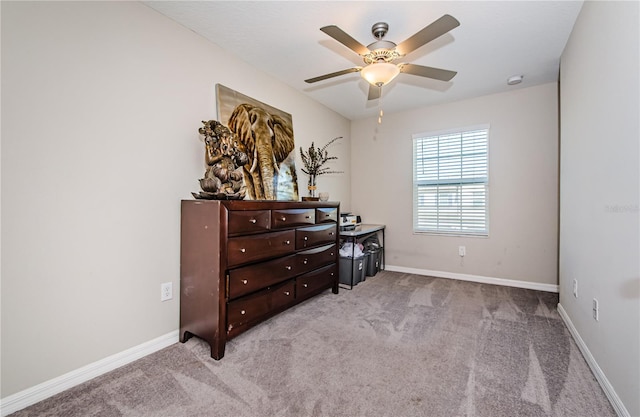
point(396, 345)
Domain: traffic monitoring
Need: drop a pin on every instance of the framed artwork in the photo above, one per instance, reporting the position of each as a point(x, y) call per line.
point(265, 135)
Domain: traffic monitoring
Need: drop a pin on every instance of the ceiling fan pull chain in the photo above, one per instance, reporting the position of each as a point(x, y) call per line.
point(380, 113)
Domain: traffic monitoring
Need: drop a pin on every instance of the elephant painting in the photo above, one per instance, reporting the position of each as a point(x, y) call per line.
point(267, 140)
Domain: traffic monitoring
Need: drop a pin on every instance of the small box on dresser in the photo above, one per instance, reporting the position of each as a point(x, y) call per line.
point(242, 262)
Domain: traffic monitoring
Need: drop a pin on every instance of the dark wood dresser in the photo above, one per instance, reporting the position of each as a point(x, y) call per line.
point(242, 262)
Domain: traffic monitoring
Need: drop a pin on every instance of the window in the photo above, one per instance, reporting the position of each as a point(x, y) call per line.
point(450, 182)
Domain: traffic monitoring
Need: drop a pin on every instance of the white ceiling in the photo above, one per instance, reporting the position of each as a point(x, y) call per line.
point(495, 40)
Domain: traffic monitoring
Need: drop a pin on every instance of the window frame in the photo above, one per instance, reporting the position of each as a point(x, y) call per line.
point(458, 182)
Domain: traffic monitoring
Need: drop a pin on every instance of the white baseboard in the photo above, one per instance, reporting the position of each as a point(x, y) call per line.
point(476, 278)
point(611, 394)
point(32, 395)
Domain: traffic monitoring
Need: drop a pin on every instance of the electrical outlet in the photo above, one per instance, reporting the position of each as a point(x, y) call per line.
point(596, 310)
point(462, 250)
point(575, 288)
point(166, 291)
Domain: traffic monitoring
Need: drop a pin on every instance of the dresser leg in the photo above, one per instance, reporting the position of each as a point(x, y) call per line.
point(217, 349)
point(184, 336)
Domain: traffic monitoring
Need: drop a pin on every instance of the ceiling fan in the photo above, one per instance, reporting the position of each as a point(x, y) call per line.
point(380, 55)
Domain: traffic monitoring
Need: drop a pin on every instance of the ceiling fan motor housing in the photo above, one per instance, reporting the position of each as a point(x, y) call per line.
point(381, 51)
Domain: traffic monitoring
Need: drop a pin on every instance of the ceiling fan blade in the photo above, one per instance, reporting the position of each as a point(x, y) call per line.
point(427, 34)
point(341, 36)
point(429, 72)
point(374, 92)
point(333, 74)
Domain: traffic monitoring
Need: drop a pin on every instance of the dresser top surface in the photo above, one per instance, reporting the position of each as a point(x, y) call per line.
point(265, 204)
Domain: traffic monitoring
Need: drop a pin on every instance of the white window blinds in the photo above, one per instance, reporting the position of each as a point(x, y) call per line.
point(450, 182)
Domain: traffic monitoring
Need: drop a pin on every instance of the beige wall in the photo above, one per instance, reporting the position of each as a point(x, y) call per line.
point(523, 177)
point(101, 102)
point(600, 190)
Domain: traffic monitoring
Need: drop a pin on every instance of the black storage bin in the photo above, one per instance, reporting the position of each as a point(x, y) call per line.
point(373, 262)
point(371, 243)
point(352, 267)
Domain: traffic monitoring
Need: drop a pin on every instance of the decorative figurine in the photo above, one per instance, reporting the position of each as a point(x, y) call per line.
point(223, 178)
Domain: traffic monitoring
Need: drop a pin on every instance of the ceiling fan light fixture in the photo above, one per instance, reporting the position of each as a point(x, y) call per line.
point(380, 73)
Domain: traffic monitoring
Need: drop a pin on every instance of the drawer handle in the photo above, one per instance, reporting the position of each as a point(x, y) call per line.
point(253, 221)
point(288, 267)
point(244, 281)
point(327, 215)
point(307, 217)
point(332, 274)
point(306, 238)
point(243, 312)
point(331, 233)
point(287, 242)
point(305, 261)
point(243, 250)
point(305, 285)
point(284, 219)
point(287, 293)
point(332, 254)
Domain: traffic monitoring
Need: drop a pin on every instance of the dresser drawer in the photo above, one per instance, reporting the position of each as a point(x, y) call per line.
point(292, 217)
point(249, 221)
point(327, 214)
point(256, 277)
point(312, 282)
point(256, 306)
point(308, 237)
point(314, 258)
point(244, 249)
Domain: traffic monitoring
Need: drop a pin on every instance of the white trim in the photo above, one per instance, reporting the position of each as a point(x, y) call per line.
point(451, 131)
point(476, 278)
point(54, 386)
point(611, 394)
